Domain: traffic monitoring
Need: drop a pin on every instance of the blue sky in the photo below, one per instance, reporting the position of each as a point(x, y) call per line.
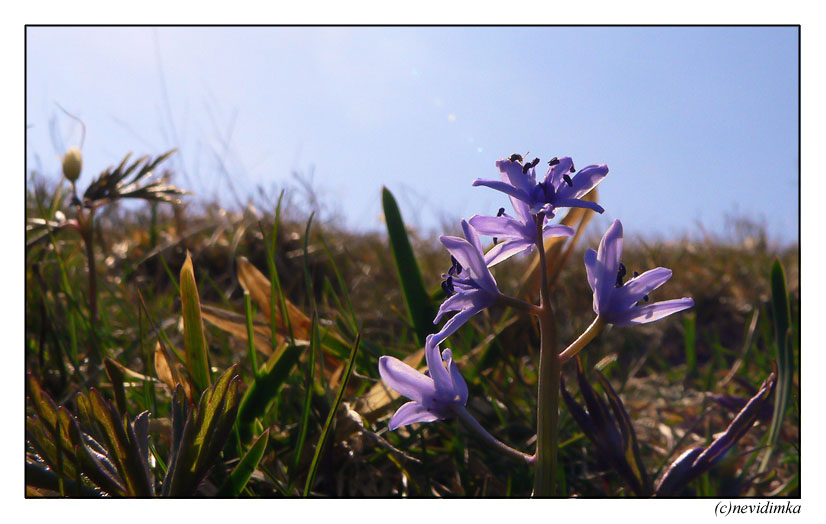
point(694, 123)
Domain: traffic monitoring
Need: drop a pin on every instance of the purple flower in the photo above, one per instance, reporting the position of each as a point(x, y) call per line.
point(519, 233)
point(617, 303)
point(434, 395)
point(468, 282)
point(558, 189)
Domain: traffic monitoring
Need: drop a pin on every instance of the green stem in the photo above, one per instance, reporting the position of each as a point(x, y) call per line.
point(250, 333)
point(547, 410)
point(587, 336)
point(497, 444)
point(87, 234)
point(521, 305)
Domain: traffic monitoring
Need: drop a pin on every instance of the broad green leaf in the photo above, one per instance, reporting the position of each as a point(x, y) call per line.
point(419, 306)
point(246, 466)
point(197, 361)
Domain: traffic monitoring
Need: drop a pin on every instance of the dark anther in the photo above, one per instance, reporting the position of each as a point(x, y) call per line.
point(573, 169)
point(567, 179)
point(636, 274)
point(645, 298)
point(515, 158)
point(500, 212)
point(554, 161)
point(529, 165)
point(447, 286)
point(620, 274)
point(495, 241)
point(455, 268)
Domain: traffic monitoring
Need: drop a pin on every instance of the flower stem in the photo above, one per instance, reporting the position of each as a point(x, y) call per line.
point(547, 410)
point(497, 444)
point(587, 336)
point(86, 226)
point(519, 304)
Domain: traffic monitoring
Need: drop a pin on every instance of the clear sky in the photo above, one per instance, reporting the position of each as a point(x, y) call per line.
point(694, 123)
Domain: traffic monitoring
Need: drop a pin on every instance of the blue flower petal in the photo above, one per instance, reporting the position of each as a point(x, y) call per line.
point(411, 413)
point(635, 289)
point(608, 258)
point(456, 322)
point(575, 202)
point(650, 313)
point(503, 187)
point(583, 182)
point(504, 250)
point(440, 375)
point(458, 381)
point(405, 380)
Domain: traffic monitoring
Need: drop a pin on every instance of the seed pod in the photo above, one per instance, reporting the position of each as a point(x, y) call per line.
point(72, 164)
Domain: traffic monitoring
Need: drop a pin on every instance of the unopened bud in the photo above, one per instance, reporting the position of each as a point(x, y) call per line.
point(72, 164)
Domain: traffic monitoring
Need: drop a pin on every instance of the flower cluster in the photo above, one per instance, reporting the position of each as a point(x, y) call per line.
point(470, 287)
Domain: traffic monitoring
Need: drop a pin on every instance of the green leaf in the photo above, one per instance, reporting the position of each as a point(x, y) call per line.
point(629, 437)
point(116, 378)
point(328, 425)
point(195, 345)
point(123, 446)
point(43, 404)
point(305, 414)
point(419, 305)
point(265, 388)
point(690, 342)
point(199, 434)
point(41, 477)
point(785, 363)
point(243, 471)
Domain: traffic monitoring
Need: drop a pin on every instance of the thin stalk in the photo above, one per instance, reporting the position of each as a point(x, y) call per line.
point(250, 333)
point(583, 340)
point(547, 410)
point(87, 234)
point(497, 444)
point(88, 242)
point(520, 305)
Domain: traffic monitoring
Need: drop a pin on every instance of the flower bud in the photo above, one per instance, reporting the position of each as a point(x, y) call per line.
point(72, 164)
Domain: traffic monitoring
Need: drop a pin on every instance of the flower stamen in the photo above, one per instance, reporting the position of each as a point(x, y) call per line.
point(621, 272)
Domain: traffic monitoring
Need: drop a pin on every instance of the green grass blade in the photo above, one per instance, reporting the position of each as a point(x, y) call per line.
point(308, 281)
point(195, 346)
point(690, 342)
point(116, 378)
point(305, 414)
point(785, 363)
point(419, 305)
point(276, 293)
point(243, 471)
point(265, 388)
point(250, 333)
point(328, 425)
point(342, 286)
